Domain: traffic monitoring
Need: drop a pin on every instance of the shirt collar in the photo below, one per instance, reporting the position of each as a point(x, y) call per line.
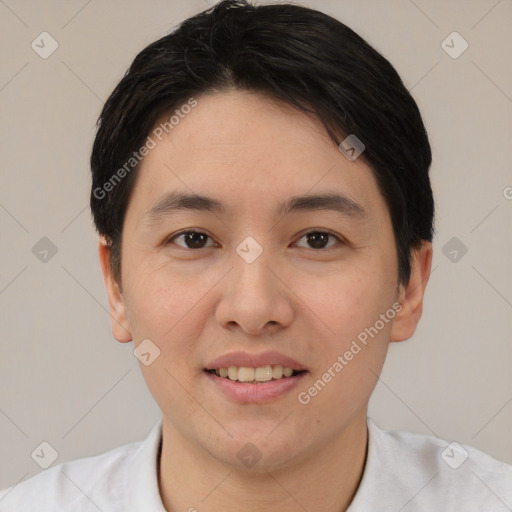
point(141, 478)
point(366, 485)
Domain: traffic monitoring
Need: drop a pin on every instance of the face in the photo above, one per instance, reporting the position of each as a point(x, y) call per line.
point(304, 279)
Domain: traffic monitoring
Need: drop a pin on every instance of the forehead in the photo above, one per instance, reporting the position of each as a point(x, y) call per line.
point(249, 149)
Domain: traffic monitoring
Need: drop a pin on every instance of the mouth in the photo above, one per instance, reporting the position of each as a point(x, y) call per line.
point(254, 378)
point(247, 385)
point(260, 375)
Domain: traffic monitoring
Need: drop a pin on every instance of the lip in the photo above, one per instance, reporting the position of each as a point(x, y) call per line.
point(246, 359)
point(244, 392)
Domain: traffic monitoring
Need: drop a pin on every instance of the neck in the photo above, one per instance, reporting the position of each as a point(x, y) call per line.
point(323, 478)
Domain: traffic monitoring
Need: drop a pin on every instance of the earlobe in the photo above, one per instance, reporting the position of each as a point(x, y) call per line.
point(411, 295)
point(120, 327)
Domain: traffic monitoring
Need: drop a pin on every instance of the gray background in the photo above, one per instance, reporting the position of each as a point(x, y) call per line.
point(67, 382)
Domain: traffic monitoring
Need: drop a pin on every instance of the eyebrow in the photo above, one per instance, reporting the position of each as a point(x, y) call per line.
point(175, 202)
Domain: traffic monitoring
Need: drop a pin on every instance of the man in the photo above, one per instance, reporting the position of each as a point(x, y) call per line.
point(260, 186)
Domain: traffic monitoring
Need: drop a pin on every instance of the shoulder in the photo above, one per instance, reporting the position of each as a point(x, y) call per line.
point(84, 484)
point(446, 457)
point(419, 471)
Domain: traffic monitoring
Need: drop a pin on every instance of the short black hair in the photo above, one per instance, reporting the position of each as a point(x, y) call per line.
point(291, 53)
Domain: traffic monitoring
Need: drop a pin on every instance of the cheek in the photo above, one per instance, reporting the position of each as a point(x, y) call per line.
point(165, 307)
point(347, 300)
point(352, 350)
point(160, 295)
point(160, 305)
point(354, 312)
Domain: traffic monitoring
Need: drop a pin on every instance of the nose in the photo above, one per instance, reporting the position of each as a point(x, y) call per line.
point(255, 297)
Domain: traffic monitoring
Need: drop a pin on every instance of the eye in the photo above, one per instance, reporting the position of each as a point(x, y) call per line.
point(318, 239)
point(191, 239)
point(197, 239)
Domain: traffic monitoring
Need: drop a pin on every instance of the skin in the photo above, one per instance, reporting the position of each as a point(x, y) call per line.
point(307, 302)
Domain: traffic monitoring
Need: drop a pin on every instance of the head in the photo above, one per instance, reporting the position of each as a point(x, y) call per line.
point(248, 106)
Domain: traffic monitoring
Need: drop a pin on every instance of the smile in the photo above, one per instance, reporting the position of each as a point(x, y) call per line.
point(255, 375)
point(228, 381)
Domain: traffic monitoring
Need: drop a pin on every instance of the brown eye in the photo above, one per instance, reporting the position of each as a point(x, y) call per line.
point(319, 239)
point(191, 239)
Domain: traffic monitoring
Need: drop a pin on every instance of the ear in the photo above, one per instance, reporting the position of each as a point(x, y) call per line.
point(410, 296)
point(120, 327)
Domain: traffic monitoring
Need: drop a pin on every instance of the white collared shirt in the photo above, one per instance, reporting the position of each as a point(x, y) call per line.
point(403, 472)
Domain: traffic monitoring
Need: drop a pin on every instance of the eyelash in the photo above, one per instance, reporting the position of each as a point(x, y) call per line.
point(191, 231)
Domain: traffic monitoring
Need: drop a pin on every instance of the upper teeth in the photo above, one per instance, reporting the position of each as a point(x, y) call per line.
point(261, 374)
